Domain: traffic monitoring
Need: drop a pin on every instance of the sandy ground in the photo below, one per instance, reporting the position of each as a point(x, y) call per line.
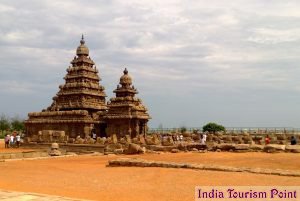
point(87, 177)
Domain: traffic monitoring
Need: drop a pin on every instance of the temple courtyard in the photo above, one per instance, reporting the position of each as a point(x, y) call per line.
point(87, 177)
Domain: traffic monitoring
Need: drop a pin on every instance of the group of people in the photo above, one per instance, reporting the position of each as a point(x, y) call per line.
point(179, 138)
point(293, 140)
point(13, 140)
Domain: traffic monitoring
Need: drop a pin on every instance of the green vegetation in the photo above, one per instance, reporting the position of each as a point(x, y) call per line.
point(213, 127)
point(8, 124)
point(183, 129)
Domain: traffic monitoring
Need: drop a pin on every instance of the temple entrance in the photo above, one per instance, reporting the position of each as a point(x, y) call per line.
point(103, 130)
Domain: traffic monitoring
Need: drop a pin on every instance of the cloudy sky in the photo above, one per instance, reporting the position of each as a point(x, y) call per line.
point(232, 62)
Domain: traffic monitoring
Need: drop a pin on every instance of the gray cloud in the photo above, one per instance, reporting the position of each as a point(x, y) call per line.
point(234, 62)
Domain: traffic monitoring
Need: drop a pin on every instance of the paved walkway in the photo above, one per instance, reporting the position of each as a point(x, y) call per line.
point(22, 196)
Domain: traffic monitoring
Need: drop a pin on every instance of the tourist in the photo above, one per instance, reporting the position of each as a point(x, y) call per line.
point(12, 138)
point(201, 137)
point(177, 138)
point(203, 140)
point(6, 139)
point(181, 137)
point(94, 135)
point(174, 138)
point(18, 140)
point(293, 140)
point(267, 140)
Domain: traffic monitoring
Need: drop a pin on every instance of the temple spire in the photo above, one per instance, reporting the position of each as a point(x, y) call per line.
point(82, 40)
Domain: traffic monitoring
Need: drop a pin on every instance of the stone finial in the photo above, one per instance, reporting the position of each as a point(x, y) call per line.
point(125, 71)
point(82, 40)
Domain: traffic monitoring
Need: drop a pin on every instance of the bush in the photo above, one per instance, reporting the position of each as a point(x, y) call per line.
point(183, 129)
point(213, 127)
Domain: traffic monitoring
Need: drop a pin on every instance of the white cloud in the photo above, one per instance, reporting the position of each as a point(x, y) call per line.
point(274, 36)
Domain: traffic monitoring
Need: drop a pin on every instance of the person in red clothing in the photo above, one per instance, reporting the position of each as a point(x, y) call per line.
point(267, 140)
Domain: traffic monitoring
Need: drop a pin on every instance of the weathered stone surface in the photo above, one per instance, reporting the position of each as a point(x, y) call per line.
point(274, 148)
point(55, 152)
point(122, 140)
point(152, 140)
point(194, 149)
point(175, 151)
point(134, 149)
point(161, 148)
point(127, 139)
point(225, 146)
point(237, 139)
point(119, 151)
point(141, 139)
point(197, 146)
point(114, 139)
point(196, 137)
point(293, 148)
point(113, 147)
point(129, 162)
point(281, 137)
point(240, 147)
point(182, 147)
point(167, 141)
point(101, 140)
point(54, 146)
point(256, 147)
point(135, 140)
point(89, 140)
point(79, 140)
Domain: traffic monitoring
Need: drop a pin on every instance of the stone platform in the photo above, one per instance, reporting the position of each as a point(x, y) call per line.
point(136, 162)
point(67, 147)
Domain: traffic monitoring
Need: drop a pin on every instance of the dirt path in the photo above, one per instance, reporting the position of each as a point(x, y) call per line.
point(87, 177)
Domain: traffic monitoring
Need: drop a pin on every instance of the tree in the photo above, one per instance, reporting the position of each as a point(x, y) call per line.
point(17, 124)
point(4, 123)
point(183, 129)
point(213, 127)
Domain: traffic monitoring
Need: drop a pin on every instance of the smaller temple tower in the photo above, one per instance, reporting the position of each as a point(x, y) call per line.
point(126, 114)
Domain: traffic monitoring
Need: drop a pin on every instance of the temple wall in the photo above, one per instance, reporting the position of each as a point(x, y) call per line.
point(71, 129)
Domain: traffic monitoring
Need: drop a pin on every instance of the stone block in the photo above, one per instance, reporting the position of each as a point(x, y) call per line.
point(293, 148)
point(274, 148)
point(167, 141)
point(225, 147)
point(127, 138)
point(175, 151)
point(241, 147)
point(114, 139)
point(134, 149)
point(118, 151)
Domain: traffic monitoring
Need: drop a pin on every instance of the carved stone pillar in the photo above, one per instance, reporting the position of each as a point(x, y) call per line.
point(136, 127)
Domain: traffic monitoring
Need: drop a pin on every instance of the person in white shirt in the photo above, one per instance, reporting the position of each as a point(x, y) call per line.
point(203, 139)
point(11, 141)
point(18, 140)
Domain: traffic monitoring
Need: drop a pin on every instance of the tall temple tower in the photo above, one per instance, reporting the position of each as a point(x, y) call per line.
point(81, 90)
point(126, 114)
point(79, 105)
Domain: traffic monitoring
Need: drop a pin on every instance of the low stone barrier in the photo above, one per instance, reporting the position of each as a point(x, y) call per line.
point(25, 154)
point(134, 162)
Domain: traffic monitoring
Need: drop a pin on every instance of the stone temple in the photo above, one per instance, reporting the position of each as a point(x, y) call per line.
point(79, 108)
